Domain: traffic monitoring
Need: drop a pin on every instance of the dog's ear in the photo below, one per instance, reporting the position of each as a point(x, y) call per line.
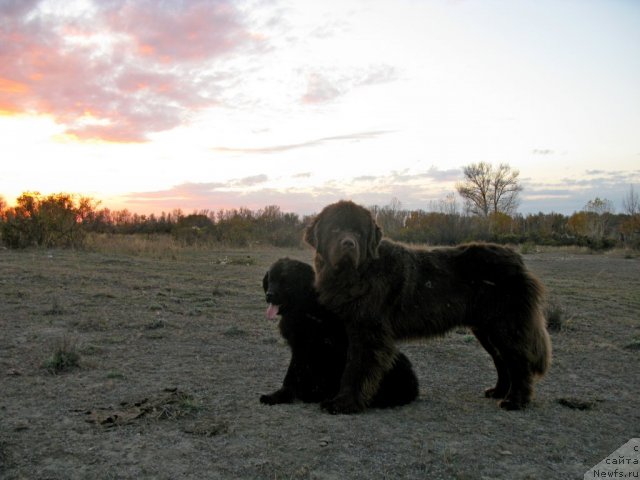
point(374, 240)
point(265, 282)
point(311, 233)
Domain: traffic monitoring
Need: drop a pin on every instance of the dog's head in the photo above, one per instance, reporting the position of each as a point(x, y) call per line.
point(344, 235)
point(288, 286)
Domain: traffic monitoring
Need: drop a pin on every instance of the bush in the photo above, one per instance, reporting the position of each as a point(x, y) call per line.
point(193, 230)
point(53, 221)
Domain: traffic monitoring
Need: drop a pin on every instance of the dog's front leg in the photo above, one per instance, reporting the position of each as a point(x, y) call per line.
point(370, 355)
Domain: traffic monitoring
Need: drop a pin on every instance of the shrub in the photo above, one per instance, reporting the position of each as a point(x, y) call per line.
point(53, 221)
point(64, 358)
point(194, 229)
point(554, 314)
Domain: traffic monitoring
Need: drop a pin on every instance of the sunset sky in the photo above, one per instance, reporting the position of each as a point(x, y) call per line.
point(207, 104)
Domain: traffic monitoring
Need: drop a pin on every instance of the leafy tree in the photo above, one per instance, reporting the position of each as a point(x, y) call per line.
point(50, 221)
point(577, 224)
point(194, 229)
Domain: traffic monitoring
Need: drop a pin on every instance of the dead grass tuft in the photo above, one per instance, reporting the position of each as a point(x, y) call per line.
point(556, 316)
point(64, 358)
point(247, 260)
point(55, 309)
point(154, 246)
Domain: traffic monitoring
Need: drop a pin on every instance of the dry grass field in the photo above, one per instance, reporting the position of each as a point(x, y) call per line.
point(147, 361)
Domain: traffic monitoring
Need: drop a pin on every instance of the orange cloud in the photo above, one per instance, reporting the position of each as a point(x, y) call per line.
point(12, 87)
point(9, 92)
point(146, 50)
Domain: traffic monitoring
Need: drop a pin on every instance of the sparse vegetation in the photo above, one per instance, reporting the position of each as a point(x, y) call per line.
point(156, 324)
point(55, 309)
point(235, 332)
point(217, 353)
point(176, 404)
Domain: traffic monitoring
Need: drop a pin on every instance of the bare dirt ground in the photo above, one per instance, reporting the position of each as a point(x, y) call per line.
point(174, 351)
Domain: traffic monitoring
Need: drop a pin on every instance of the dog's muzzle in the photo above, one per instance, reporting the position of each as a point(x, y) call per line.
point(346, 251)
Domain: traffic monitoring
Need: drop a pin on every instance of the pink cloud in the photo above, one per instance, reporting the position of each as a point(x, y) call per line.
point(180, 31)
point(131, 69)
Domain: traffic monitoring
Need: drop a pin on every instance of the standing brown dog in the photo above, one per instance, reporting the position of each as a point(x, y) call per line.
point(385, 291)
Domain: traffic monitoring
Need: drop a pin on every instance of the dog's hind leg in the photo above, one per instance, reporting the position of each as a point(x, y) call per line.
point(519, 372)
point(503, 384)
point(521, 390)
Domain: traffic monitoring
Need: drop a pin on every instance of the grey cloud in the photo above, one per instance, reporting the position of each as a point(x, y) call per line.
point(320, 89)
point(365, 178)
point(433, 173)
point(309, 143)
point(571, 194)
point(330, 84)
point(542, 151)
point(414, 191)
point(250, 181)
point(378, 74)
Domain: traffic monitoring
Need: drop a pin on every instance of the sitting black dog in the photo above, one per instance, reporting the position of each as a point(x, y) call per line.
point(318, 343)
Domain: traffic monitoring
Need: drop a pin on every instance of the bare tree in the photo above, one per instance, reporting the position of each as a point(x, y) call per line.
point(631, 202)
point(599, 211)
point(447, 205)
point(505, 189)
point(630, 228)
point(391, 217)
point(599, 206)
point(487, 190)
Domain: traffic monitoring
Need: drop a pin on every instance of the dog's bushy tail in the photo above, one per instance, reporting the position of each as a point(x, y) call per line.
point(539, 341)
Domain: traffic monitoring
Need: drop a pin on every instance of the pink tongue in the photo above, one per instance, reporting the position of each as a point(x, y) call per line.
point(272, 311)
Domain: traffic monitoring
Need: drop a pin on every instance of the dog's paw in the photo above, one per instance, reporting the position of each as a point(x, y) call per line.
point(281, 396)
point(268, 399)
point(342, 404)
point(510, 404)
point(494, 393)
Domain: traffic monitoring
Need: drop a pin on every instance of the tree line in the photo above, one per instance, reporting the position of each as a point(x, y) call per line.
point(64, 220)
point(490, 197)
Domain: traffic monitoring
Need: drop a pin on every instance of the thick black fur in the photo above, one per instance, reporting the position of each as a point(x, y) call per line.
point(386, 291)
point(319, 343)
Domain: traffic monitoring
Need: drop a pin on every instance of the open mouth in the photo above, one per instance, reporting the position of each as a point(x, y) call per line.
point(272, 311)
